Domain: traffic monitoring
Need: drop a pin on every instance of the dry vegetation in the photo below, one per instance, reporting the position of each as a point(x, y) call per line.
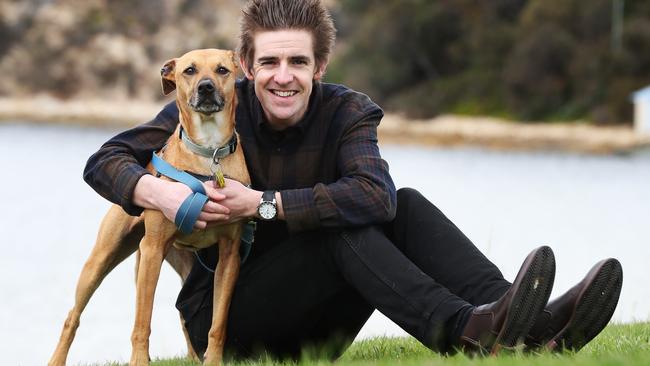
point(95, 62)
point(493, 133)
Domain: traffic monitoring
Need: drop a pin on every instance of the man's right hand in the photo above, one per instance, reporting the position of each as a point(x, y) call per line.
point(166, 196)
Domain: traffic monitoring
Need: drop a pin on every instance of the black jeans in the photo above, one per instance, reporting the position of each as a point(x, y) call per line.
point(316, 290)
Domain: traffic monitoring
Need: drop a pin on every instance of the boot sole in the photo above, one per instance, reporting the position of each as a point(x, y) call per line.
point(594, 308)
point(529, 300)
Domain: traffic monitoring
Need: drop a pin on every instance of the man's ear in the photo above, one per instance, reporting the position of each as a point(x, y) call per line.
point(245, 69)
point(320, 71)
point(167, 76)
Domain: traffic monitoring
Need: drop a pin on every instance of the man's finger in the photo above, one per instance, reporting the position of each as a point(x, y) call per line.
point(205, 216)
point(213, 207)
point(200, 224)
point(213, 194)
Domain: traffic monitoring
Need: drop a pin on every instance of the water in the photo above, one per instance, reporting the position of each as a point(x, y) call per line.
point(585, 207)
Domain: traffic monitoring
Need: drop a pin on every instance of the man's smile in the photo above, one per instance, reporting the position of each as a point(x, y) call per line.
point(284, 93)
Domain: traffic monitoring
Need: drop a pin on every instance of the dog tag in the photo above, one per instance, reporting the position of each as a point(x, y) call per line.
point(219, 180)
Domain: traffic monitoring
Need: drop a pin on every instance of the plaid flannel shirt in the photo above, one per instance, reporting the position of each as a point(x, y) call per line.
point(327, 167)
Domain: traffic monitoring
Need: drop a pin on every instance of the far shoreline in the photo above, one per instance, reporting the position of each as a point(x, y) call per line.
point(442, 131)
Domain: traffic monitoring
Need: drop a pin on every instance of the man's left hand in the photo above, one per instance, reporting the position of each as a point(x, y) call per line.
point(241, 200)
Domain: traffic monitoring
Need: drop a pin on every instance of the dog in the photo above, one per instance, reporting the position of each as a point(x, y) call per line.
point(204, 81)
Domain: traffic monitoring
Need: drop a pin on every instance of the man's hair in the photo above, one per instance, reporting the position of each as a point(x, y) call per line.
point(270, 15)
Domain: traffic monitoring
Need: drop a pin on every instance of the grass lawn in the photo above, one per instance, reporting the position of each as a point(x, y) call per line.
point(624, 344)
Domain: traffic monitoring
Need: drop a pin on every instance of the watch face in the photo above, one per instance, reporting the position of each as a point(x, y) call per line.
point(267, 210)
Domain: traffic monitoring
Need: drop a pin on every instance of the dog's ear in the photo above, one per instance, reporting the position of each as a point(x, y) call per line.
point(235, 61)
point(167, 76)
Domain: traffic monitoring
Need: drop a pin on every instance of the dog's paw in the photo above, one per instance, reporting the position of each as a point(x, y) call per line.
point(56, 361)
point(139, 359)
point(212, 361)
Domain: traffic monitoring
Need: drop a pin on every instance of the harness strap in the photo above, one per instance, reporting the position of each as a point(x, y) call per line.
point(189, 212)
point(169, 171)
point(247, 238)
point(190, 209)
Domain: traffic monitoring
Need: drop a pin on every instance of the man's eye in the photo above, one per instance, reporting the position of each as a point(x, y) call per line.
point(222, 70)
point(189, 71)
point(300, 62)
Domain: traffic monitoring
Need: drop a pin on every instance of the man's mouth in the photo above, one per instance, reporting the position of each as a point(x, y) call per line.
point(284, 93)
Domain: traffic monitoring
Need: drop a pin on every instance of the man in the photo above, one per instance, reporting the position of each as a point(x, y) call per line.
point(341, 242)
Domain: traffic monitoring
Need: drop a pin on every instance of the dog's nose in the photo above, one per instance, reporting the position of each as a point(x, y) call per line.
point(206, 86)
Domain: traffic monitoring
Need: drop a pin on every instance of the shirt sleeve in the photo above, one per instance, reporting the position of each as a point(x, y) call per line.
point(116, 167)
point(365, 193)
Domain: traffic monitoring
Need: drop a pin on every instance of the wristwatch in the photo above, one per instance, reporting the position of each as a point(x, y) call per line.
point(268, 208)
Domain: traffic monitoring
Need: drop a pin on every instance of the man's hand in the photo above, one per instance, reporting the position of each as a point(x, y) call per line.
point(240, 200)
point(165, 196)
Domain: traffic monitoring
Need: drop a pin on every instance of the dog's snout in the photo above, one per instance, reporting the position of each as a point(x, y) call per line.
point(207, 97)
point(206, 86)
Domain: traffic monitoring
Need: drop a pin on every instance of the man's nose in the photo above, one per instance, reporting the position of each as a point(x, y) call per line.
point(284, 74)
point(206, 86)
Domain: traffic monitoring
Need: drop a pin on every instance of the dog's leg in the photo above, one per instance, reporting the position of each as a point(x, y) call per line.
point(153, 248)
point(118, 238)
point(182, 261)
point(224, 283)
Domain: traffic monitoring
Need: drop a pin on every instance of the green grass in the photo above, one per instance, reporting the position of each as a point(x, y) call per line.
point(625, 344)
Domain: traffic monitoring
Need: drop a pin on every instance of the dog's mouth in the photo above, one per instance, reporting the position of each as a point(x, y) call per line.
point(206, 104)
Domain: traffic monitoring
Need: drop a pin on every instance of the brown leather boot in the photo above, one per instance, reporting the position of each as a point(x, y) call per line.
point(575, 318)
point(506, 322)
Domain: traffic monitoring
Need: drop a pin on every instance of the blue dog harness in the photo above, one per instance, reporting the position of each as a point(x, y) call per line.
point(191, 207)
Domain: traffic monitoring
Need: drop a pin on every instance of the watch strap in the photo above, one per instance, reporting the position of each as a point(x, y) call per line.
point(268, 196)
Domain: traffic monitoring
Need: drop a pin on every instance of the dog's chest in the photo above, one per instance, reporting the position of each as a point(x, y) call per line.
point(233, 166)
point(200, 239)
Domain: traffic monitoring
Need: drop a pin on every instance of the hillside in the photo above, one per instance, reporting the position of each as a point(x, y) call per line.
point(522, 60)
point(104, 48)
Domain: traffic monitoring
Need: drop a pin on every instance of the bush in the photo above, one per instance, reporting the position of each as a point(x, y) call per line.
point(528, 59)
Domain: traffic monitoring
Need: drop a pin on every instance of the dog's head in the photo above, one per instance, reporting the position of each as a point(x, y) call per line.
point(204, 79)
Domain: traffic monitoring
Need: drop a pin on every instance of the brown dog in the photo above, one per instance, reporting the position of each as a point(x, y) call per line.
point(206, 99)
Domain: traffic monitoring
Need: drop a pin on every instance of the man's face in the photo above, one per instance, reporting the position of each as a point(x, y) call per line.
point(283, 70)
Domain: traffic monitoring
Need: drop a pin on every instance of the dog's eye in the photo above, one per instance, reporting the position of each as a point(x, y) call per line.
point(222, 70)
point(189, 71)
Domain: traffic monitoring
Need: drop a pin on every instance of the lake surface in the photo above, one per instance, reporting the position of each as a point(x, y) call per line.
point(585, 207)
